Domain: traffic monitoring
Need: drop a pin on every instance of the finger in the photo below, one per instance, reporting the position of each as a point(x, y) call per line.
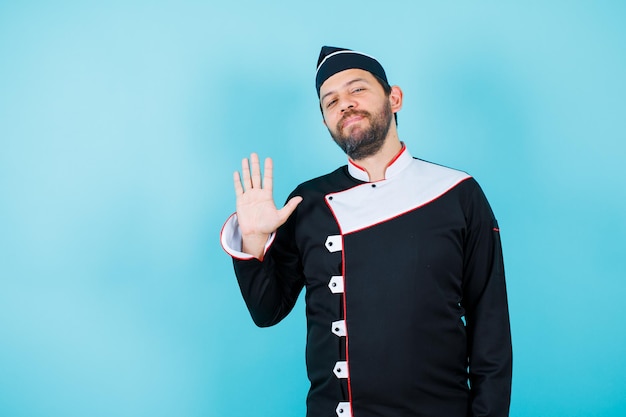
point(237, 181)
point(255, 168)
point(285, 212)
point(268, 174)
point(245, 171)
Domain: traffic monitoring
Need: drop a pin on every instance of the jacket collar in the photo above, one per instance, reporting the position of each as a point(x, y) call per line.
point(402, 160)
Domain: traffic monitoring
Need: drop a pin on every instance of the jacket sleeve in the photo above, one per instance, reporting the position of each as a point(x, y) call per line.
point(487, 315)
point(270, 288)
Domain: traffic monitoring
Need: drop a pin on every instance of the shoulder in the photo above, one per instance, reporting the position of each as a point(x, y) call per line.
point(429, 174)
point(435, 171)
point(462, 186)
point(457, 182)
point(334, 181)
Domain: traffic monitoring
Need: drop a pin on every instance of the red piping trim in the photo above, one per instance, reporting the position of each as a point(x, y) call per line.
point(356, 165)
point(345, 304)
point(395, 158)
point(345, 318)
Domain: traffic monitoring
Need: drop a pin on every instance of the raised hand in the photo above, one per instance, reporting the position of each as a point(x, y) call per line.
point(256, 211)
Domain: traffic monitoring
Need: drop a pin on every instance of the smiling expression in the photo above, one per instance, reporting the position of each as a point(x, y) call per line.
point(356, 111)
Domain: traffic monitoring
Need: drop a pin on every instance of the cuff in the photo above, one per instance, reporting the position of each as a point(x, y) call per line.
point(230, 238)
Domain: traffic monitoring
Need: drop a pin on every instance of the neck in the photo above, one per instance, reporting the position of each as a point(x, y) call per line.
point(377, 164)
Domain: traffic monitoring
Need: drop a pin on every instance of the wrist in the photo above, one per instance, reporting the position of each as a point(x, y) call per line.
point(254, 244)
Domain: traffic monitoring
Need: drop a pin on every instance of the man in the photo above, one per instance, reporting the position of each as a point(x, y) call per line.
point(401, 259)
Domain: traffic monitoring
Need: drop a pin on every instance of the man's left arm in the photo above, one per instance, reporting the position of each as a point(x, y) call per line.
point(487, 314)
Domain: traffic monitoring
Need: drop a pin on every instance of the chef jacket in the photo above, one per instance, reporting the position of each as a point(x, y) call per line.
point(406, 301)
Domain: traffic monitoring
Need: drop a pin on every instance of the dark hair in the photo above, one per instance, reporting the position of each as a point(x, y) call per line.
point(386, 88)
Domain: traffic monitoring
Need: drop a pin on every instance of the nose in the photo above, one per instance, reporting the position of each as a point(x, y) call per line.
point(346, 102)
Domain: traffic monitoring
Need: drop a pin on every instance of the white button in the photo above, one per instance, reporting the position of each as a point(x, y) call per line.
point(333, 243)
point(336, 284)
point(339, 328)
point(341, 369)
point(344, 410)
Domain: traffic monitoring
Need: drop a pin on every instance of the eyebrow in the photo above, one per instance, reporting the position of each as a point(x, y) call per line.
point(356, 80)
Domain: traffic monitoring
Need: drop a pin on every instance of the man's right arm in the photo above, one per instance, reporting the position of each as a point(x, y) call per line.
point(268, 272)
point(270, 287)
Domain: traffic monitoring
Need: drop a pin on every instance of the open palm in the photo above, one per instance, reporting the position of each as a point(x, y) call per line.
point(257, 213)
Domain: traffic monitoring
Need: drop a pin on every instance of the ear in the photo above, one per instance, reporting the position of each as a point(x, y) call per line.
point(395, 98)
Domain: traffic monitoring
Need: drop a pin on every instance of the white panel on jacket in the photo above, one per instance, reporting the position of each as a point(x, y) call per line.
point(416, 184)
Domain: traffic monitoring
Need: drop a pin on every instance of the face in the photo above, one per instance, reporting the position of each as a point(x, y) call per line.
point(357, 112)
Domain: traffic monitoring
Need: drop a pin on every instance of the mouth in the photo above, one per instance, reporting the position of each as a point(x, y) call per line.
point(351, 119)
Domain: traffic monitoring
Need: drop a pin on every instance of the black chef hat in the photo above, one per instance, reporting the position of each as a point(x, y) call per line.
point(333, 60)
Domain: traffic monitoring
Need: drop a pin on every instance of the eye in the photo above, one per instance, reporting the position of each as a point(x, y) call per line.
point(330, 103)
point(358, 89)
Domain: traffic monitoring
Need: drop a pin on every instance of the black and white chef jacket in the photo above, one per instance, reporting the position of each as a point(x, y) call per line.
point(405, 293)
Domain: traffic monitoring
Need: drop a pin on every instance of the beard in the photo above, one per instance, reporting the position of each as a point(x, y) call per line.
point(361, 143)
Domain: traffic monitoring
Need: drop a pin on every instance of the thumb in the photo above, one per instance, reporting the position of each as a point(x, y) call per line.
point(289, 208)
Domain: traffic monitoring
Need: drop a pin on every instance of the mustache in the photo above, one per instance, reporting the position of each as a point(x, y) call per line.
point(351, 113)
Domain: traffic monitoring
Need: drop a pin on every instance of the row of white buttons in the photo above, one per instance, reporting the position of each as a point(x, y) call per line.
point(334, 244)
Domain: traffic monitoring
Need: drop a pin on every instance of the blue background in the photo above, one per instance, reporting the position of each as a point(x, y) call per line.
point(120, 127)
